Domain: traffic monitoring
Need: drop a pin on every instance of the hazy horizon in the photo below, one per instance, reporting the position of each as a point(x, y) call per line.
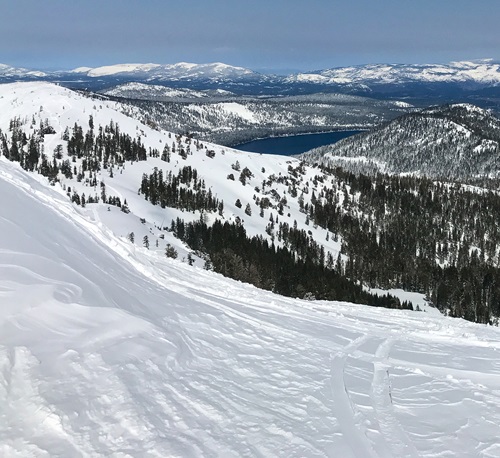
point(279, 37)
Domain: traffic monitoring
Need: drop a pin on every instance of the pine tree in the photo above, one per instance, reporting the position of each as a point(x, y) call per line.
point(14, 152)
point(124, 207)
point(170, 251)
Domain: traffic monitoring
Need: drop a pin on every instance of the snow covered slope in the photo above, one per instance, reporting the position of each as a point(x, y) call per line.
point(107, 349)
point(63, 108)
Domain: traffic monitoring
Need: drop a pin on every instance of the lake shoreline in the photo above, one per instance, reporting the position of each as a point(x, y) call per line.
point(317, 132)
point(294, 144)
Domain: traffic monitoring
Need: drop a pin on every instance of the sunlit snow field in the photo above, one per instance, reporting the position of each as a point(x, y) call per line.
point(108, 349)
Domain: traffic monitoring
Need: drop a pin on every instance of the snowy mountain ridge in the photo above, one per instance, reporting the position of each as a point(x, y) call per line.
point(484, 71)
point(134, 90)
point(108, 348)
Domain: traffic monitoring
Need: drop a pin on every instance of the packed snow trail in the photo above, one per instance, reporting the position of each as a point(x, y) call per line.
point(109, 349)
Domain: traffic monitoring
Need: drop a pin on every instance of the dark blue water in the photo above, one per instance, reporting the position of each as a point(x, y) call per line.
point(294, 144)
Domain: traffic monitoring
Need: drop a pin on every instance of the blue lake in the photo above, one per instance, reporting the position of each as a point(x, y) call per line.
point(294, 144)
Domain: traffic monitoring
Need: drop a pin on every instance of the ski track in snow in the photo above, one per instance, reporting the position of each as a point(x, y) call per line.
point(344, 409)
point(381, 395)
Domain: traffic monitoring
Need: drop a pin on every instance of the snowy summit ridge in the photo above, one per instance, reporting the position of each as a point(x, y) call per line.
point(6, 71)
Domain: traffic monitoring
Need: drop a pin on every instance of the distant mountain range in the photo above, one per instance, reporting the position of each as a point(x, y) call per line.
point(479, 81)
point(8, 73)
point(185, 75)
point(485, 72)
point(454, 141)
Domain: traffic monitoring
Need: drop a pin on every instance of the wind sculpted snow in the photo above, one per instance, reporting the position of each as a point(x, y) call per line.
point(107, 349)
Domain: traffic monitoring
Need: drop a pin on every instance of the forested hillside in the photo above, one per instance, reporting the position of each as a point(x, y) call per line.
point(438, 238)
point(450, 142)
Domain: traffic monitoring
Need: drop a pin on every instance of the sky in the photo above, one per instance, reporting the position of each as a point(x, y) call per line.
point(264, 35)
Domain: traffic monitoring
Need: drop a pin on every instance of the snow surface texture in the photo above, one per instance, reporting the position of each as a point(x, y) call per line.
point(110, 349)
point(107, 349)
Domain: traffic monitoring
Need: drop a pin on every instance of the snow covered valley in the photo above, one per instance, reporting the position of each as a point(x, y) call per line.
point(107, 349)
